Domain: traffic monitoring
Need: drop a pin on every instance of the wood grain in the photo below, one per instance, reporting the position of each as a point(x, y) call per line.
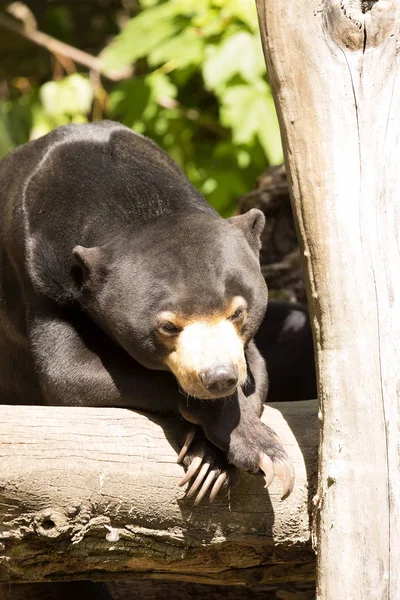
point(333, 67)
point(93, 494)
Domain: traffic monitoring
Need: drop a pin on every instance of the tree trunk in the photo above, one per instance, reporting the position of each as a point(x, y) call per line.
point(332, 66)
point(93, 494)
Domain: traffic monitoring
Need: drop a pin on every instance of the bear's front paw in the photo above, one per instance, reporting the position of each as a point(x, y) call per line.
point(260, 449)
point(207, 462)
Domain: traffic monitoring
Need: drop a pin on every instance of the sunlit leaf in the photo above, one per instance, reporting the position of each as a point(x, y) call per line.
point(250, 112)
point(184, 49)
point(239, 54)
point(199, 90)
point(162, 88)
point(72, 95)
point(244, 10)
point(141, 35)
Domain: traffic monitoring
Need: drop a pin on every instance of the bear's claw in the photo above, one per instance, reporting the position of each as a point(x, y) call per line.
point(186, 444)
point(206, 486)
point(194, 466)
point(221, 479)
point(213, 476)
point(199, 479)
point(282, 469)
point(205, 463)
point(268, 469)
point(208, 475)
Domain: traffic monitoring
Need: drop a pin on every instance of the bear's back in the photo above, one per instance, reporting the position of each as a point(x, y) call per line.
point(80, 184)
point(87, 180)
point(84, 184)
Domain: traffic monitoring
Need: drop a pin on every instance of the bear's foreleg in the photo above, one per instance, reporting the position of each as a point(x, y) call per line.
point(234, 426)
point(78, 365)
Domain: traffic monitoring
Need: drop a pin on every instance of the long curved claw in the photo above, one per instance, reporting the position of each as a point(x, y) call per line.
point(206, 485)
point(186, 445)
point(194, 466)
point(285, 472)
point(199, 479)
point(267, 467)
point(222, 477)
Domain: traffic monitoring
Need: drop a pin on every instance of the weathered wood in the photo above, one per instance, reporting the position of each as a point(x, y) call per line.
point(92, 494)
point(333, 66)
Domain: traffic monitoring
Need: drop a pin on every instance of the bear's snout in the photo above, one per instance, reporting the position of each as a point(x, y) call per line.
point(208, 359)
point(220, 379)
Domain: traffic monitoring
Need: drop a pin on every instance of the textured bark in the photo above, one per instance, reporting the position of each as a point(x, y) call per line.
point(333, 66)
point(92, 494)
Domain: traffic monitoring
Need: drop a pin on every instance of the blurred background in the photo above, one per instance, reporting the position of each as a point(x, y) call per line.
point(188, 73)
point(191, 75)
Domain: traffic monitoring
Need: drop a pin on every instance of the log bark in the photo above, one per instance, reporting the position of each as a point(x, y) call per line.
point(92, 494)
point(333, 67)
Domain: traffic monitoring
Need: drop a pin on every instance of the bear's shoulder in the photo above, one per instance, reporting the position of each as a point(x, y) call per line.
point(84, 185)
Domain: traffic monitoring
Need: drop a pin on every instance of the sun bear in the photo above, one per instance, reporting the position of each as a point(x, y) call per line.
point(121, 286)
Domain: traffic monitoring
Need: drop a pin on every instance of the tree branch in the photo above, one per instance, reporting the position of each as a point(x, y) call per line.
point(61, 49)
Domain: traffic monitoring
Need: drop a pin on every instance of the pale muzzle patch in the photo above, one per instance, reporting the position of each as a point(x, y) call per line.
point(208, 351)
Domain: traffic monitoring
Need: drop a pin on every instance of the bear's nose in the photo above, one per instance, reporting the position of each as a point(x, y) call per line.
point(220, 379)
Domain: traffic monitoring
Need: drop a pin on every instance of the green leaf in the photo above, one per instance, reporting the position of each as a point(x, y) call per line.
point(161, 86)
point(239, 54)
point(141, 35)
point(250, 112)
point(243, 10)
point(222, 188)
point(72, 95)
point(210, 22)
point(184, 49)
point(148, 3)
point(138, 103)
point(43, 123)
point(17, 119)
point(6, 142)
point(129, 101)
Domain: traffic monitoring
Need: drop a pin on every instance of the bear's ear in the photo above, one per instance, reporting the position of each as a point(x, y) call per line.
point(252, 224)
point(89, 264)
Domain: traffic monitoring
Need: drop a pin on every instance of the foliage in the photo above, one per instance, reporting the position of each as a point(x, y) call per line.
point(199, 89)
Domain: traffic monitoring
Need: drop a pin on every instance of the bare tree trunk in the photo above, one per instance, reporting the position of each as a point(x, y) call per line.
point(333, 66)
point(93, 494)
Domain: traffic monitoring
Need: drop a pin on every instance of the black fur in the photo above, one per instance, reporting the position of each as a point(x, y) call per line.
point(99, 231)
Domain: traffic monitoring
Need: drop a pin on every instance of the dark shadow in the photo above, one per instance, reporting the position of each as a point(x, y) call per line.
point(286, 344)
point(68, 590)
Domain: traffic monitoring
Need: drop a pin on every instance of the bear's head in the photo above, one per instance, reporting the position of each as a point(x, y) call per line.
point(182, 293)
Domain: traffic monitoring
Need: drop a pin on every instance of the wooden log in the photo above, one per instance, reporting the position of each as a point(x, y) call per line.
point(92, 494)
point(333, 66)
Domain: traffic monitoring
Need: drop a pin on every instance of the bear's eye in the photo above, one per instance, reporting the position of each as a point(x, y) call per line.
point(238, 314)
point(169, 328)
